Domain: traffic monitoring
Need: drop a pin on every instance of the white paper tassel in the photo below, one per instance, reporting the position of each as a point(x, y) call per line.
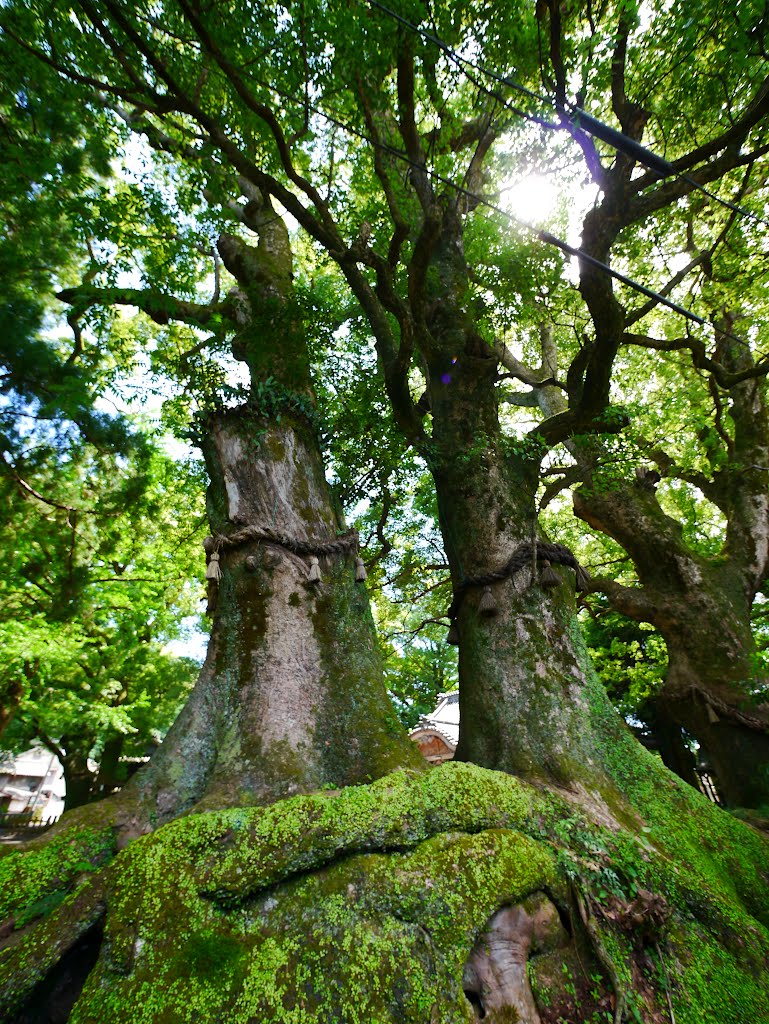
point(213, 569)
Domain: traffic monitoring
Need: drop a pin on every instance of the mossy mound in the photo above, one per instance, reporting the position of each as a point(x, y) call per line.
point(365, 905)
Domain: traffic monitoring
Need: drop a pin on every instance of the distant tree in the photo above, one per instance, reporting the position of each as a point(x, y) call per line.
point(100, 576)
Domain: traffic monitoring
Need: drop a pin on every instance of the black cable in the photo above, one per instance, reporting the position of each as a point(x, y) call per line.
point(544, 236)
point(578, 117)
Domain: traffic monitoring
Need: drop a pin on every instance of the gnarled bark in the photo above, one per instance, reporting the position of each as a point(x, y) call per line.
point(291, 697)
point(701, 607)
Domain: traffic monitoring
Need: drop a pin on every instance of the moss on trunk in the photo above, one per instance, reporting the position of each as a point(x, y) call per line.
point(291, 697)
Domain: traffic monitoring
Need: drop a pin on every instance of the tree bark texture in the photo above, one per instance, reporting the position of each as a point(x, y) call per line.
point(522, 679)
point(291, 697)
point(701, 607)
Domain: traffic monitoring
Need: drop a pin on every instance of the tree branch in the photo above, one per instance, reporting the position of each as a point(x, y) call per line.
point(159, 307)
point(263, 112)
point(28, 489)
point(631, 601)
point(401, 226)
point(667, 288)
point(643, 204)
point(725, 378)
point(408, 129)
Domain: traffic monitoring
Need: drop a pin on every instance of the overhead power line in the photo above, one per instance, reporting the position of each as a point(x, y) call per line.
point(579, 118)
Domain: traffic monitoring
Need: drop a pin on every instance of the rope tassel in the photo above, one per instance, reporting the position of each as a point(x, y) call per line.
point(487, 606)
point(213, 569)
point(360, 570)
point(583, 579)
point(314, 575)
point(548, 577)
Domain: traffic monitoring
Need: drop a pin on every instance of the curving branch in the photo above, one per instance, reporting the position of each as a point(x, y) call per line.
point(699, 260)
point(725, 378)
point(634, 602)
point(27, 488)
point(420, 178)
point(539, 378)
point(264, 113)
point(158, 306)
point(402, 228)
point(643, 204)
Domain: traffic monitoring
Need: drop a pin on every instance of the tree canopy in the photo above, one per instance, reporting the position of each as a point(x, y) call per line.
point(298, 217)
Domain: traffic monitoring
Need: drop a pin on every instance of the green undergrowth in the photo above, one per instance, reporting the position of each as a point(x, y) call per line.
point(364, 905)
point(705, 856)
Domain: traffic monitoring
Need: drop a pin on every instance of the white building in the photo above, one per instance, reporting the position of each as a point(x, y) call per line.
point(32, 783)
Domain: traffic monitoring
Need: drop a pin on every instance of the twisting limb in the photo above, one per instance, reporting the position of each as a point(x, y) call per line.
point(725, 378)
point(754, 112)
point(408, 129)
point(263, 112)
point(159, 307)
point(401, 226)
point(643, 203)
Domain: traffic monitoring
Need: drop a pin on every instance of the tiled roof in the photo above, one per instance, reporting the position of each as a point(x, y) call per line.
point(445, 719)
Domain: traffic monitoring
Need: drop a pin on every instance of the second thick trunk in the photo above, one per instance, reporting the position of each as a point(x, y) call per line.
point(524, 686)
point(733, 735)
point(702, 611)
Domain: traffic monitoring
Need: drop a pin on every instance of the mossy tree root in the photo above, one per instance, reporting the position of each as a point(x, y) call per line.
point(368, 905)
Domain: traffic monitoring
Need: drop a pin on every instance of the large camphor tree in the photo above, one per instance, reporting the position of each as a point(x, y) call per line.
point(572, 884)
point(697, 587)
point(701, 600)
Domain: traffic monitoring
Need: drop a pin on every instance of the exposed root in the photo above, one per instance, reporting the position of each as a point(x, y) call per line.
point(606, 960)
point(27, 960)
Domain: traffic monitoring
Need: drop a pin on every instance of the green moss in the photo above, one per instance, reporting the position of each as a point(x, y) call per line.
point(40, 908)
point(372, 938)
point(30, 878)
point(362, 737)
point(32, 952)
point(364, 905)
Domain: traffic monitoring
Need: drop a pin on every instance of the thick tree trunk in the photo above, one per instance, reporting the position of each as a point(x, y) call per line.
point(700, 605)
point(733, 736)
point(291, 697)
point(430, 897)
point(78, 781)
point(522, 680)
point(702, 611)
